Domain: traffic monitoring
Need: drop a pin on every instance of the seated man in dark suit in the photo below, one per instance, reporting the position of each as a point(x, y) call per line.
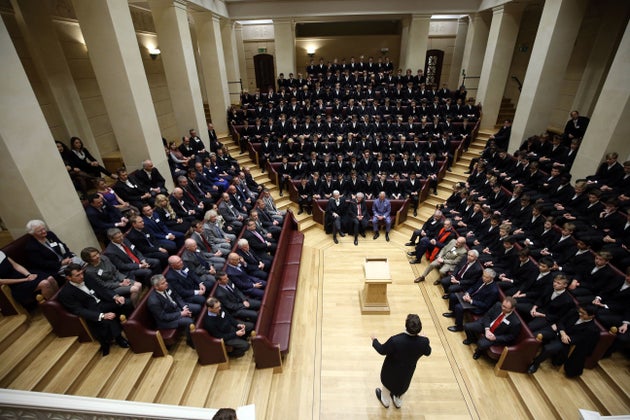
point(147, 243)
point(234, 301)
point(431, 245)
point(251, 286)
point(186, 283)
point(358, 216)
point(100, 311)
point(576, 329)
point(103, 217)
point(159, 229)
point(220, 324)
point(128, 259)
point(553, 303)
point(465, 274)
point(130, 191)
point(257, 241)
point(255, 265)
point(499, 326)
point(204, 264)
point(478, 299)
point(150, 179)
point(168, 309)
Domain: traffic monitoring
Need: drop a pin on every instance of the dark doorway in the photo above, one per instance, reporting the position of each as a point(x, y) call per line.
point(433, 67)
point(263, 66)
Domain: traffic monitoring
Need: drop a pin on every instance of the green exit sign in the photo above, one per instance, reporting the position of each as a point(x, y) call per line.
point(262, 50)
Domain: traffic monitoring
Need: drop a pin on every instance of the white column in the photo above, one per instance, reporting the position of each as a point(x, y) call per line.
point(284, 39)
point(415, 52)
point(475, 46)
point(35, 183)
point(458, 53)
point(36, 26)
point(496, 62)
point(240, 49)
point(208, 30)
point(175, 43)
point(231, 57)
point(557, 31)
point(609, 128)
point(611, 26)
point(115, 57)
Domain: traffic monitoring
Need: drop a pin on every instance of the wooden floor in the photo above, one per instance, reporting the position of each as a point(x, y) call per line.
point(331, 370)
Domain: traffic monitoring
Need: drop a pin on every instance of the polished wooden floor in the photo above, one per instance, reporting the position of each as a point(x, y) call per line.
point(332, 369)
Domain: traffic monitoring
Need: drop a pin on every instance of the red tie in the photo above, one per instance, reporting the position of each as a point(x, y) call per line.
point(497, 322)
point(208, 246)
point(131, 254)
point(462, 271)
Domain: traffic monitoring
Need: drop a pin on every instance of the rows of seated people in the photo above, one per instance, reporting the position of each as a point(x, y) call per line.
point(533, 235)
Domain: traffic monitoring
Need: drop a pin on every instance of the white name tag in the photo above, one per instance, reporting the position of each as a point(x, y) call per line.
point(53, 244)
point(133, 246)
point(100, 272)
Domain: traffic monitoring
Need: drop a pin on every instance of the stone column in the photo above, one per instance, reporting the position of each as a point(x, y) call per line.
point(208, 30)
point(231, 58)
point(475, 46)
point(284, 38)
point(175, 43)
point(115, 57)
point(458, 53)
point(496, 63)
point(35, 183)
point(41, 38)
point(609, 128)
point(611, 26)
point(557, 31)
point(415, 50)
point(240, 49)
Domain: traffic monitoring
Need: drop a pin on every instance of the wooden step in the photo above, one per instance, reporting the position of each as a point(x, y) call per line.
point(176, 384)
point(235, 382)
point(260, 390)
point(11, 327)
point(617, 369)
point(101, 372)
point(20, 354)
point(153, 379)
point(124, 380)
point(536, 403)
point(46, 363)
point(201, 384)
point(597, 384)
point(77, 365)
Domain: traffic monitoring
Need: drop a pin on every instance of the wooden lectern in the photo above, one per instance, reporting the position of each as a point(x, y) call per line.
point(373, 296)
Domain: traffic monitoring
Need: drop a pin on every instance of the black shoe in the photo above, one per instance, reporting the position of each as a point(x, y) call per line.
point(362, 234)
point(436, 282)
point(415, 213)
point(467, 342)
point(476, 355)
point(414, 261)
point(105, 349)
point(448, 315)
point(387, 236)
point(120, 340)
point(308, 211)
point(419, 279)
point(301, 211)
point(190, 343)
point(335, 240)
point(434, 192)
point(356, 241)
point(411, 253)
point(455, 328)
point(467, 172)
point(532, 368)
point(342, 234)
point(410, 243)
point(378, 395)
point(280, 193)
point(445, 296)
point(376, 235)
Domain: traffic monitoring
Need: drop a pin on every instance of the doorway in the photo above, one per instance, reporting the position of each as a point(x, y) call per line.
point(263, 67)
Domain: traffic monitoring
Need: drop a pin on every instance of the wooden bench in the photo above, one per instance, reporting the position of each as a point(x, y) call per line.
point(64, 323)
point(398, 213)
point(210, 350)
point(273, 328)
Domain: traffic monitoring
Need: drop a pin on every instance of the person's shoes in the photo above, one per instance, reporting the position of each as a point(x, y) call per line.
point(448, 315)
point(476, 355)
point(455, 328)
point(434, 192)
point(335, 240)
point(362, 234)
point(414, 261)
point(120, 340)
point(280, 193)
point(467, 342)
point(342, 234)
point(308, 211)
point(436, 282)
point(378, 395)
point(410, 243)
point(449, 169)
point(445, 296)
point(415, 213)
point(105, 349)
point(419, 279)
point(376, 235)
point(356, 241)
point(532, 368)
point(467, 172)
point(397, 401)
point(387, 236)
point(190, 343)
point(411, 253)
point(301, 211)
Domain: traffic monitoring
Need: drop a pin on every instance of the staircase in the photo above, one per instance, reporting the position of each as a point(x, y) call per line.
point(506, 111)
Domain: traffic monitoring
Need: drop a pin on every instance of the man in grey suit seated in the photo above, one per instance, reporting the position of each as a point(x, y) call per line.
point(204, 264)
point(168, 309)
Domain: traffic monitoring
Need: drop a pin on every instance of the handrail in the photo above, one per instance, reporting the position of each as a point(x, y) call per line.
point(520, 85)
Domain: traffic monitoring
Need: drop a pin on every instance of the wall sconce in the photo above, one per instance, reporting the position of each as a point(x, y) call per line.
point(154, 52)
point(384, 50)
point(310, 51)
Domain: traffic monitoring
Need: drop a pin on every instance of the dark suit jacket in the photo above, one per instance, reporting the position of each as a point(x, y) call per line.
point(156, 181)
point(232, 301)
point(143, 240)
point(129, 194)
point(120, 259)
point(42, 258)
point(84, 305)
point(241, 279)
point(221, 326)
point(471, 276)
point(484, 298)
point(185, 286)
point(165, 313)
point(507, 331)
point(557, 308)
point(102, 220)
point(254, 243)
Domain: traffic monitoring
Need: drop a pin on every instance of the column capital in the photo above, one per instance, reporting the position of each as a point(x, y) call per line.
point(290, 20)
point(510, 8)
point(420, 17)
point(182, 4)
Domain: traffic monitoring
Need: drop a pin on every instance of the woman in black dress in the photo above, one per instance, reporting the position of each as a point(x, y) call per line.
point(82, 159)
point(25, 285)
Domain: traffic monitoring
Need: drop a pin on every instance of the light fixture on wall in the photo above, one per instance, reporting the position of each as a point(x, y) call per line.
point(384, 50)
point(310, 51)
point(154, 52)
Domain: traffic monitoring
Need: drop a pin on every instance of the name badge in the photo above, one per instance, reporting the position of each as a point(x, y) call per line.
point(100, 272)
point(147, 235)
point(53, 243)
point(157, 220)
point(133, 246)
point(185, 270)
point(506, 321)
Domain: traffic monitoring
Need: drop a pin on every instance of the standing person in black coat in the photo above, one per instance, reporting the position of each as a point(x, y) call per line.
point(401, 352)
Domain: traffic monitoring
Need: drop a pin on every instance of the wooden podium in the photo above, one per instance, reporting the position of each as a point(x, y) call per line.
point(373, 296)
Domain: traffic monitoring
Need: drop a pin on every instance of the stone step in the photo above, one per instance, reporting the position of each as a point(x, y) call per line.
point(102, 370)
point(11, 327)
point(617, 369)
point(176, 383)
point(21, 352)
point(598, 385)
point(201, 384)
point(260, 390)
point(153, 379)
point(78, 364)
point(127, 375)
point(536, 403)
